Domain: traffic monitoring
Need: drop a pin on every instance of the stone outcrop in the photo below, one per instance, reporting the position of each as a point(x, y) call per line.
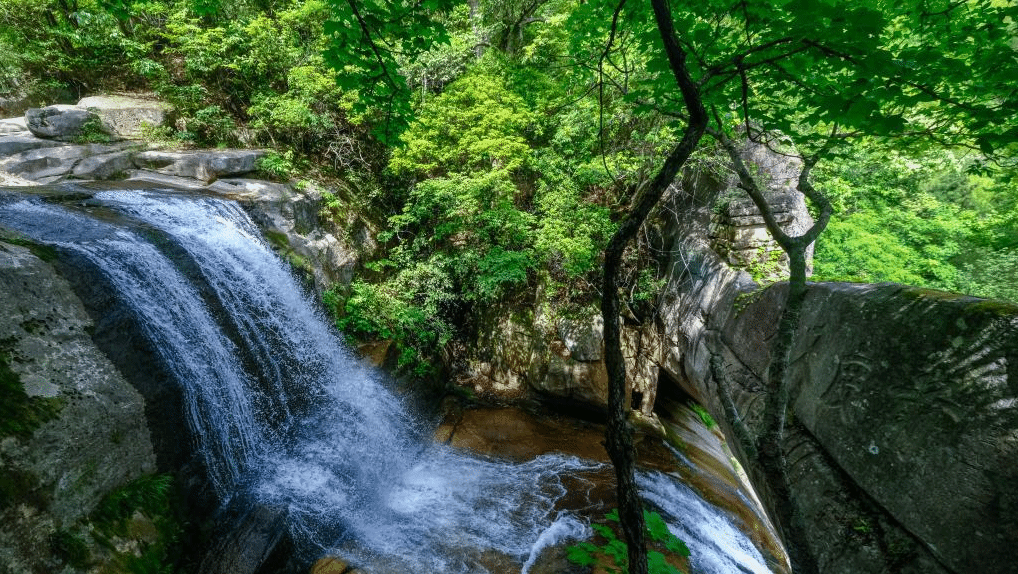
point(53, 476)
point(18, 142)
point(204, 166)
point(292, 222)
point(63, 122)
point(50, 164)
point(128, 116)
point(903, 451)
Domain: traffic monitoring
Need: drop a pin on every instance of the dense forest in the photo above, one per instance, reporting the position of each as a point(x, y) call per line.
point(511, 145)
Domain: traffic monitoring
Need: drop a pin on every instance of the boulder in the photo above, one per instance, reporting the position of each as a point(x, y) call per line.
point(128, 116)
point(13, 126)
point(205, 166)
point(21, 142)
point(104, 166)
point(63, 122)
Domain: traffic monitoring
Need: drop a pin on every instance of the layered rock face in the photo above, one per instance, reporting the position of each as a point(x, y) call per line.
point(94, 437)
point(904, 441)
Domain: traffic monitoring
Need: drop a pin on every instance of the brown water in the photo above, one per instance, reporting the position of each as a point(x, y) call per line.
point(694, 453)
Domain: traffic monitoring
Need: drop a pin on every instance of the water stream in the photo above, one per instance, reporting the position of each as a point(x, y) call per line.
point(283, 414)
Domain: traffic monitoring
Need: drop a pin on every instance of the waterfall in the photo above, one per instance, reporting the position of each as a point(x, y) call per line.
point(282, 413)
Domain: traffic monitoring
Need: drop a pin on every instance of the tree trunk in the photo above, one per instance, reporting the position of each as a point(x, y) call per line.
point(770, 454)
point(619, 439)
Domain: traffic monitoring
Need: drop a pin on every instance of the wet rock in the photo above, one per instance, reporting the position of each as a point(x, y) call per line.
point(96, 438)
point(330, 565)
point(247, 539)
point(518, 435)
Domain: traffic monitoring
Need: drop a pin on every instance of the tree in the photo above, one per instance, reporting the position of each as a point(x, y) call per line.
point(807, 71)
point(808, 75)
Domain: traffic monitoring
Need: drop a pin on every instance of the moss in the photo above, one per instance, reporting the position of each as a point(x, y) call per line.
point(20, 414)
point(743, 300)
point(148, 494)
point(277, 239)
point(924, 293)
point(21, 487)
point(70, 549)
point(994, 307)
point(158, 531)
point(34, 326)
point(44, 252)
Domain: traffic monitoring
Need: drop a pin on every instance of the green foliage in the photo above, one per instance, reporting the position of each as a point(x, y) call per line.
point(93, 131)
point(614, 550)
point(708, 420)
point(70, 548)
point(153, 497)
point(475, 125)
point(150, 495)
point(925, 222)
point(365, 38)
point(277, 165)
point(20, 414)
point(407, 310)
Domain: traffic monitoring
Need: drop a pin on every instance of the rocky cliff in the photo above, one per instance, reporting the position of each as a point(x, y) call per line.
point(904, 443)
point(83, 431)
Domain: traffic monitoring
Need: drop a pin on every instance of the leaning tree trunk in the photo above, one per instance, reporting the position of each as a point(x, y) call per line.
point(619, 439)
point(770, 456)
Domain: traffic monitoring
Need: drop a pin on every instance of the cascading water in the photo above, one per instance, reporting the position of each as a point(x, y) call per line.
point(283, 414)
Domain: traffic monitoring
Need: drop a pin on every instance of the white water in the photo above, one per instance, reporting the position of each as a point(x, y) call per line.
point(303, 426)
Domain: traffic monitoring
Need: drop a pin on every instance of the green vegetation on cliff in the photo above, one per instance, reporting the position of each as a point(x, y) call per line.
point(501, 155)
point(20, 414)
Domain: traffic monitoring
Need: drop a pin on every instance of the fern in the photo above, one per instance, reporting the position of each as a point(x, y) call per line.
point(588, 554)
